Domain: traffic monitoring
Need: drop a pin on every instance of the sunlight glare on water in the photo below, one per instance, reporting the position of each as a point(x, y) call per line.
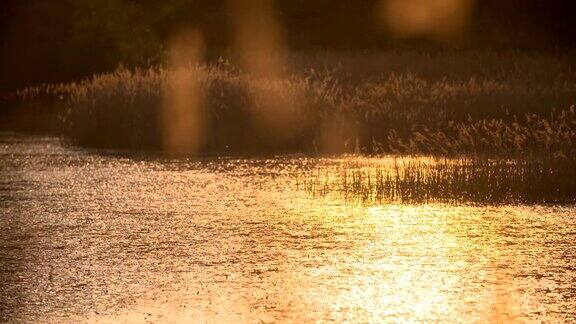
point(96, 236)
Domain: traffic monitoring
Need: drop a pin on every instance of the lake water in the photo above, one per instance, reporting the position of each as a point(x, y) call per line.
point(89, 236)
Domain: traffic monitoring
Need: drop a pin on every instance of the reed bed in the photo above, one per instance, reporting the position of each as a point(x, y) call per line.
point(35, 109)
point(464, 180)
point(393, 102)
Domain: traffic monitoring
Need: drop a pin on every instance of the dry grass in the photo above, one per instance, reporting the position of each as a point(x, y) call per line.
point(450, 103)
point(477, 181)
point(35, 109)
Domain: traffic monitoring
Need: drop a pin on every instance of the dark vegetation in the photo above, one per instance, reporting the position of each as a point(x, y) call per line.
point(52, 41)
point(481, 103)
point(464, 181)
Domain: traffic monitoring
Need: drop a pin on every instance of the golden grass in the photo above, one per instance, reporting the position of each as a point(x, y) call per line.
point(462, 180)
point(393, 102)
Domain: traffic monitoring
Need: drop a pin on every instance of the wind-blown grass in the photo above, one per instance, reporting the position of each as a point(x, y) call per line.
point(441, 104)
point(479, 181)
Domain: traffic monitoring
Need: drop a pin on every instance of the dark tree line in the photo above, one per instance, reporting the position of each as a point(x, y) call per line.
point(59, 40)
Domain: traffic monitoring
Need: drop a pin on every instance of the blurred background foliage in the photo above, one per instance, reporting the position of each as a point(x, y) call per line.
point(62, 40)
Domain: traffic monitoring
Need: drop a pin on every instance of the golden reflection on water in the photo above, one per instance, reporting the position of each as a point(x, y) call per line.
point(411, 268)
point(103, 238)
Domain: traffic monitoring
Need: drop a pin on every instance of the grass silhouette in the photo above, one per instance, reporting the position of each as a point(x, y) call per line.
point(461, 180)
point(395, 102)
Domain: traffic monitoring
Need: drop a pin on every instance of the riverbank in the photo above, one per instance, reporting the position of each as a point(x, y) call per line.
point(479, 103)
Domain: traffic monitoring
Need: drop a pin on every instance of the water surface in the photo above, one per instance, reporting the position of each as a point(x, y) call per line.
point(92, 236)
